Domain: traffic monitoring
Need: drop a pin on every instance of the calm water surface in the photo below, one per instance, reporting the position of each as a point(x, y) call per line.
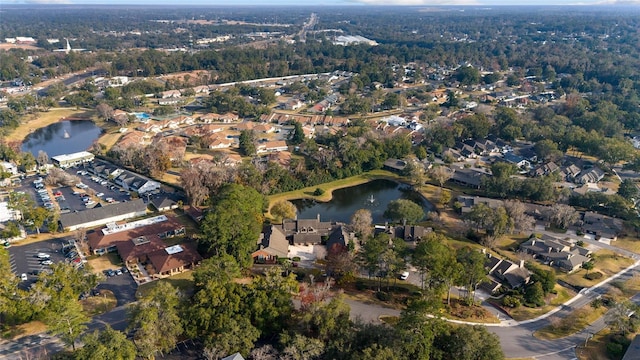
point(53, 139)
point(374, 196)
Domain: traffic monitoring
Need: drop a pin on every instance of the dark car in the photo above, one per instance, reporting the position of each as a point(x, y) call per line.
point(111, 273)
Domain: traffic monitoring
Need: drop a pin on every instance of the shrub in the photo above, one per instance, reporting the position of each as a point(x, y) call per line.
point(360, 285)
point(615, 350)
point(318, 192)
point(383, 296)
point(580, 243)
point(511, 301)
point(594, 276)
point(296, 258)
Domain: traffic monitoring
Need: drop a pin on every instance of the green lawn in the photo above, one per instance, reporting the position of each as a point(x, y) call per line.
point(525, 313)
point(607, 262)
point(183, 282)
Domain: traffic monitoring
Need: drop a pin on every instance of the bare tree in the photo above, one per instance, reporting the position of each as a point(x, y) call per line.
point(265, 352)
point(42, 158)
point(563, 215)
point(210, 353)
point(441, 174)
point(105, 111)
point(517, 212)
point(361, 224)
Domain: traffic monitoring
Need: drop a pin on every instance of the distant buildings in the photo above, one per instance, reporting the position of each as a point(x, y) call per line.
point(346, 40)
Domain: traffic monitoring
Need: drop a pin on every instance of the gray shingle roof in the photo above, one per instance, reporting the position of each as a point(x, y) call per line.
point(91, 215)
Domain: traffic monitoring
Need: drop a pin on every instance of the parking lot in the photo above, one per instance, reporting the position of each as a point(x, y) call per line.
point(24, 259)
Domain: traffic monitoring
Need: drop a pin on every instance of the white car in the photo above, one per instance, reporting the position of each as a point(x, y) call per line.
point(23, 277)
point(90, 202)
point(404, 275)
point(99, 194)
point(43, 256)
point(46, 262)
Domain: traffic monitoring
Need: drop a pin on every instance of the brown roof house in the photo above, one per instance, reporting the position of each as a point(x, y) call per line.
point(107, 239)
point(160, 260)
point(272, 245)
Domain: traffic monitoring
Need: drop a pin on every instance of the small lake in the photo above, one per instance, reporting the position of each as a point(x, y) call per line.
point(346, 201)
point(63, 137)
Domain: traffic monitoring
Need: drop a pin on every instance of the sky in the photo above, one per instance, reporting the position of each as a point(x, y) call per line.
point(329, 2)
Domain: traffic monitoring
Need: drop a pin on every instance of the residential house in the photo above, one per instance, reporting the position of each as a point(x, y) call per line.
point(229, 118)
point(208, 118)
point(272, 146)
point(395, 165)
point(293, 104)
point(307, 231)
point(555, 252)
point(247, 125)
point(272, 245)
point(102, 215)
point(468, 202)
point(164, 203)
point(545, 169)
point(134, 182)
point(264, 128)
point(411, 232)
point(501, 271)
point(235, 356)
point(592, 175)
point(601, 226)
point(469, 177)
point(170, 94)
point(517, 160)
point(570, 172)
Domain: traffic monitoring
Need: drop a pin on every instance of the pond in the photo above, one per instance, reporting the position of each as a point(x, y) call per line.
point(64, 137)
point(374, 196)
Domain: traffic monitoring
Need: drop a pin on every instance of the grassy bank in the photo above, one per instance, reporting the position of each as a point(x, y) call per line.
point(36, 121)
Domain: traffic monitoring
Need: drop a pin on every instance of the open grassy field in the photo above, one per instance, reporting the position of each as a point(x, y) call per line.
point(596, 348)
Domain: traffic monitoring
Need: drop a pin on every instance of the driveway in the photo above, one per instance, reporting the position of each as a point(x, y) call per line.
point(123, 287)
point(368, 312)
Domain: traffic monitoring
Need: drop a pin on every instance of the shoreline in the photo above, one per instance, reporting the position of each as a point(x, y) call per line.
point(330, 187)
point(33, 122)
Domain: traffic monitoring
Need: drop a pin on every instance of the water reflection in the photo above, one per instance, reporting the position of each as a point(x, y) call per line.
point(54, 141)
point(346, 201)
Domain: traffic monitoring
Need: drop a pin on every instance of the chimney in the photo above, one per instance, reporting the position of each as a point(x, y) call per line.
point(521, 263)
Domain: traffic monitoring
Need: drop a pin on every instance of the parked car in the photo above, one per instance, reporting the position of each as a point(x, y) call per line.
point(110, 273)
point(46, 262)
point(42, 255)
point(23, 277)
point(90, 202)
point(118, 272)
point(404, 275)
point(100, 194)
point(57, 193)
